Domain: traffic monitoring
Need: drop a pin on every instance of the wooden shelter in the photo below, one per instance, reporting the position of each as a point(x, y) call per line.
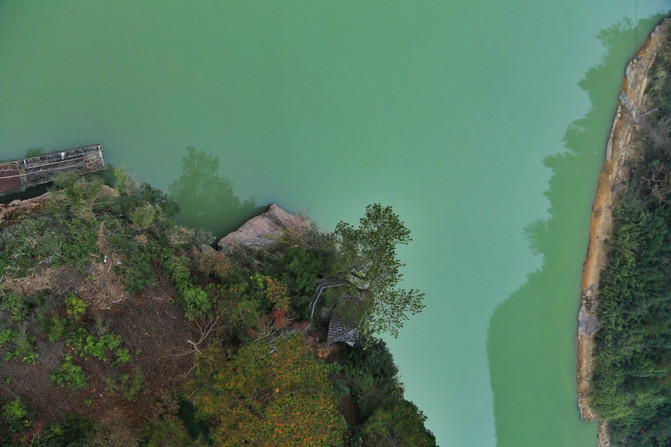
point(19, 175)
point(341, 332)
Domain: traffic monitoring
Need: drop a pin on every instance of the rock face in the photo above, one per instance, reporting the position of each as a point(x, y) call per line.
point(587, 322)
point(263, 230)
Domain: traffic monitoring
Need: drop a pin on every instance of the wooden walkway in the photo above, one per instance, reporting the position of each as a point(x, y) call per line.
point(19, 175)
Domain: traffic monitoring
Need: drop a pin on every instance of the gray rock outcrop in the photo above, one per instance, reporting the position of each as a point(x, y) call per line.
point(265, 229)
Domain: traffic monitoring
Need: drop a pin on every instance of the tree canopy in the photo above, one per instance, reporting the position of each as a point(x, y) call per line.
point(269, 395)
point(370, 271)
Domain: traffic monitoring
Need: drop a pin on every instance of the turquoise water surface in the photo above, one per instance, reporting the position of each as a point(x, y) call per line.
point(467, 117)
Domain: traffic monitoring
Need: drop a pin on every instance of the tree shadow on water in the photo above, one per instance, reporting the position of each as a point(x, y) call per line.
point(206, 199)
point(531, 341)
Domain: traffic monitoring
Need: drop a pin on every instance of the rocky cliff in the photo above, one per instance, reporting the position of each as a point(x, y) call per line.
point(263, 230)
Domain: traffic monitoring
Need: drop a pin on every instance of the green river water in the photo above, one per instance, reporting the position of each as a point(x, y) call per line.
point(467, 117)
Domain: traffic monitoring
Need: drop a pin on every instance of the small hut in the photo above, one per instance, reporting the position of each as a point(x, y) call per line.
point(341, 332)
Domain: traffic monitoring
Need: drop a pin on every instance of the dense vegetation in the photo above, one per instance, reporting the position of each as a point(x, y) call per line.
point(119, 328)
point(632, 379)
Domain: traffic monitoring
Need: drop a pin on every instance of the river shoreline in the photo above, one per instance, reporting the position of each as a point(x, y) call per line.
point(620, 148)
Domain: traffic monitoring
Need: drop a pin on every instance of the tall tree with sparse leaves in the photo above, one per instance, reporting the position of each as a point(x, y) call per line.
point(370, 271)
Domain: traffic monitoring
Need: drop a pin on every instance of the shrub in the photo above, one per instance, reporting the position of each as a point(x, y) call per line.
point(75, 306)
point(135, 271)
point(122, 356)
point(132, 384)
point(70, 375)
point(178, 270)
point(53, 327)
point(372, 375)
point(168, 431)
point(14, 305)
point(24, 349)
point(195, 302)
point(6, 335)
point(79, 241)
point(398, 422)
point(16, 415)
point(86, 344)
point(143, 216)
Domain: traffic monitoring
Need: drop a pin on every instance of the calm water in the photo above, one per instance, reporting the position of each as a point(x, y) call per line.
point(456, 113)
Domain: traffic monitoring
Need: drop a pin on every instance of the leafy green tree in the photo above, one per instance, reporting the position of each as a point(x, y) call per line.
point(397, 423)
point(370, 271)
point(372, 376)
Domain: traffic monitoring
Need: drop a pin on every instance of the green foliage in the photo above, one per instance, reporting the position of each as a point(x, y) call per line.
point(268, 396)
point(133, 196)
point(70, 375)
point(6, 335)
point(98, 347)
point(179, 273)
point(74, 431)
point(143, 216)
point(54, 239)
point(266, 392)
point(14, 305)
point(372, 376)
point(167, 432)
point(23, 349)
point(195, 302)
point(397, 422)
point(54, 327)
point(632, 375)
point(132, 383)
point(299, 268)
point(79, 243)
point(80, 192)
point(166, 428)
point(127, 384)
point(196, 427)
point(135, 269)
point(370, 272)
point(16, 416)
point(75, 306)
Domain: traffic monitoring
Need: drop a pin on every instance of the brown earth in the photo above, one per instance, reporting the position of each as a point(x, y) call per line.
point(151, 326)
point(620, 149)
point(141, 321)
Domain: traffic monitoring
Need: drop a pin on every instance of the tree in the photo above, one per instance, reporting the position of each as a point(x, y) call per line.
point(268, 395)
point(395, 424)
point(370, 271)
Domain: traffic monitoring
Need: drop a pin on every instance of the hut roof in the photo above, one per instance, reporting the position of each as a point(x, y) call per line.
point(341, 332)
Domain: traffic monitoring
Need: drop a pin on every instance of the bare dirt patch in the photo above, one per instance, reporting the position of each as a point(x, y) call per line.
point(152, 328)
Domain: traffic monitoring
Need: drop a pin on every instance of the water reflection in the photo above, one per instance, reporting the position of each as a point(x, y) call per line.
point(531, 340)
point(205, 198)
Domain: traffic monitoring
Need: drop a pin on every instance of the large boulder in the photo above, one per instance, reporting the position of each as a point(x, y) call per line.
point(265, 229)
